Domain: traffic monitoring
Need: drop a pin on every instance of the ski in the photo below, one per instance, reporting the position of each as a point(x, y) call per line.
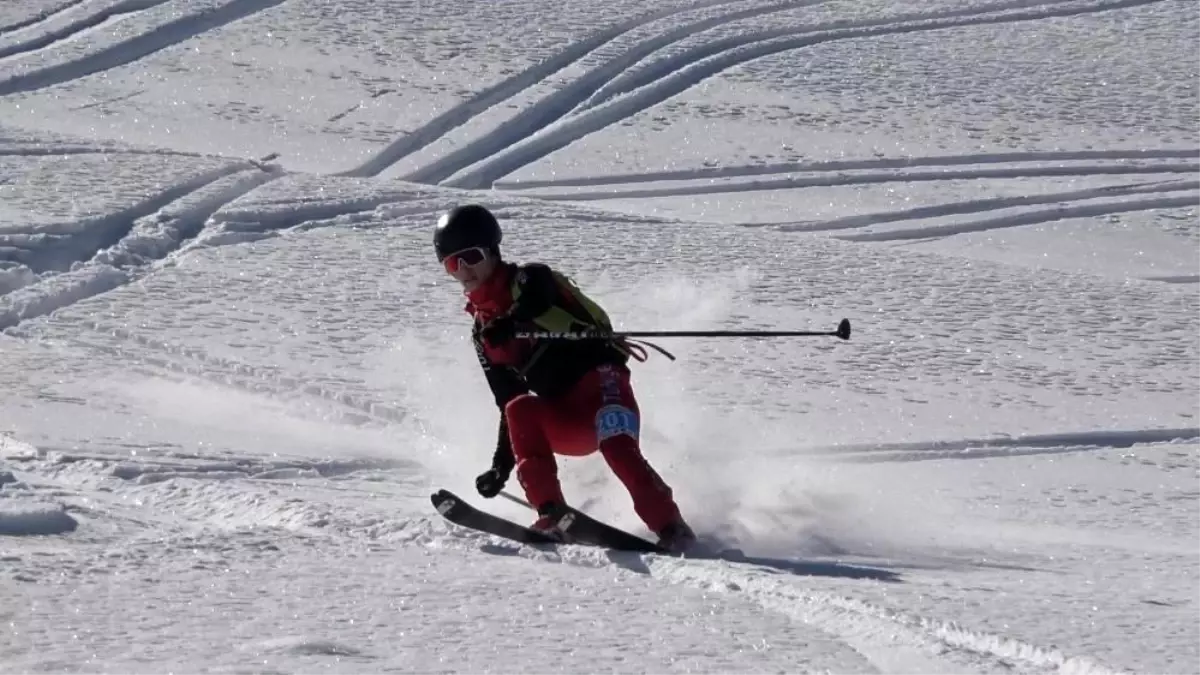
point(578, 527)
point(457, 511)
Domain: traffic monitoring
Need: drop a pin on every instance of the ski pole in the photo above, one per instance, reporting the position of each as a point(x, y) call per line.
point(842, 331)
point(517, 500)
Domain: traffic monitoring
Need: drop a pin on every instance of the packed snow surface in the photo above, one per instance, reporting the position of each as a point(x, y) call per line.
point(232, 372)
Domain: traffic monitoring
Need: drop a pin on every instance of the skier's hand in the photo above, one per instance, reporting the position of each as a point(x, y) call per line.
point(499, 330)
point(490, 482)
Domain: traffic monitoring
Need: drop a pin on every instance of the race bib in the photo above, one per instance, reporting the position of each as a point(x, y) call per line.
point(616, 420)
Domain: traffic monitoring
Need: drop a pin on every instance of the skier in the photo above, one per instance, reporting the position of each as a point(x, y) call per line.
point(567, 397)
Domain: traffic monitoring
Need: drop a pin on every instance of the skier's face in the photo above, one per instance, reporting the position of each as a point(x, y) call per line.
point(471, 267)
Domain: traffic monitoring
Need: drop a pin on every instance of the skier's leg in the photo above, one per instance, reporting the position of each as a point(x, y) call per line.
point(536, 469)
point(617, 421)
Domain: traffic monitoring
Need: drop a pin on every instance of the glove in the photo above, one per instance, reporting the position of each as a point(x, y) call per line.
point(499, 330)
point(489, 483)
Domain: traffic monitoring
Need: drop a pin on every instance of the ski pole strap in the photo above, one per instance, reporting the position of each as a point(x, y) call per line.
point(637, 349)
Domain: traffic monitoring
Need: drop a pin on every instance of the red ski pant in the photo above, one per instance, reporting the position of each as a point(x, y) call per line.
point(599, 412)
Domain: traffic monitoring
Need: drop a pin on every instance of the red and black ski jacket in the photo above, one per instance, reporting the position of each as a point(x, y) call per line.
point(529, 294)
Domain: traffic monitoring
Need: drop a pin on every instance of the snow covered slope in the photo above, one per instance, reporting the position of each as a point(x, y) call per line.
point(231, 372)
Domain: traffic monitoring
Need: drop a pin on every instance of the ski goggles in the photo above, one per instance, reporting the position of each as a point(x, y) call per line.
point(465, 258)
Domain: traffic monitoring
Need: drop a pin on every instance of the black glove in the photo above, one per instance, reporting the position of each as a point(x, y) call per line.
point(489, 483)
point(499, 330)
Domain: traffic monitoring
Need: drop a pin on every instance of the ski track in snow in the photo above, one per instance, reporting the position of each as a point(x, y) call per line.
point(748, 170)
point(105, 232)
point(109, 251)
point(617, 89)
point(977, 205)
point(634, 79)
point(51, 149)
point(869, 178)
point(127, 51)
point(77, 28)
point(223, 492)
point(558, 104)
point(182, 361)
point(674, 75)
point(30, 149)
point(48, 14)
point(1036, 444)
point(183, 495)
point(623, 89)
point(892, 640)
point(1069, 204)
point(1060, 212)
point(1175, 279)
point(208, 210)
point(496, 94)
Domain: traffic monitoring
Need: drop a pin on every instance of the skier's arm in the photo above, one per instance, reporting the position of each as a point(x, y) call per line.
point(505, 386)
point(502, 459)
point(502, 380)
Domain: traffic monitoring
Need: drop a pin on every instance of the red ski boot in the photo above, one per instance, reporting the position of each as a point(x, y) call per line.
point(547, 522)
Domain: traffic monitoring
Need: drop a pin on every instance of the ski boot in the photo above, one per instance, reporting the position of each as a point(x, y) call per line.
point(677, 537)
point(547, 522)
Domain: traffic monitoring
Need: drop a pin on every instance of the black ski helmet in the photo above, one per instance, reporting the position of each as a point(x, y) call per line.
point(466, 227)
